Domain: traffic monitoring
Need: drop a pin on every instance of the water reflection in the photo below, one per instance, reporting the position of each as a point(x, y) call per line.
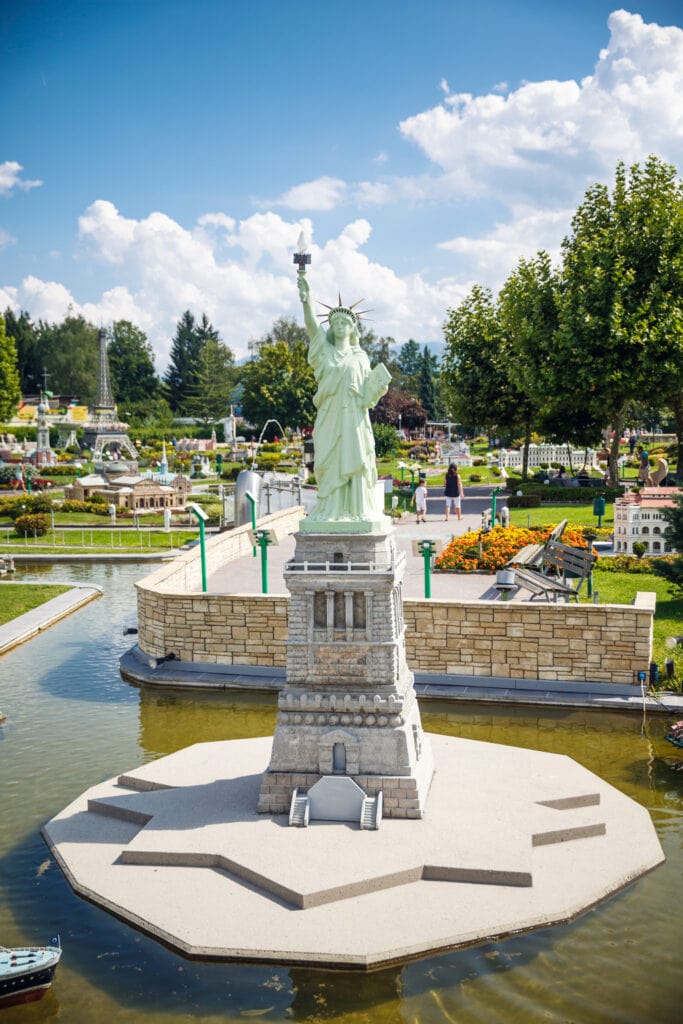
point(171, 720)
point(73, 721)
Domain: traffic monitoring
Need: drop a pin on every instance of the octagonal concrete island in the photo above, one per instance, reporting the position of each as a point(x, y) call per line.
point(510, 840)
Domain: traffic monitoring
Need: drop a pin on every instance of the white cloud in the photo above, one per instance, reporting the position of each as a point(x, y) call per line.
point(322, 194)
point(6, 239)
point(10, 179)
point(159, 269)
point(494, 255)
point(556, 136)
point(216, 220)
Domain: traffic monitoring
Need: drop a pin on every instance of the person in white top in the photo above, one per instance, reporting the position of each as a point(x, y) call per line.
point(419, 500)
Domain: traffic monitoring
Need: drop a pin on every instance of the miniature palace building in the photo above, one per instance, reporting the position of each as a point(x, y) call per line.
point(348, 736)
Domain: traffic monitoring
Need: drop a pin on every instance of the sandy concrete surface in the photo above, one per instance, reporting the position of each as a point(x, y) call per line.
point(512, 840)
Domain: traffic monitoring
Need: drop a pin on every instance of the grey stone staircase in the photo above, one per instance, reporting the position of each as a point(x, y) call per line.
point(299, 809)
point(371, 812)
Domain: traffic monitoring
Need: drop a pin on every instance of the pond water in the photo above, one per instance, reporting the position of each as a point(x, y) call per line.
point(73, 722)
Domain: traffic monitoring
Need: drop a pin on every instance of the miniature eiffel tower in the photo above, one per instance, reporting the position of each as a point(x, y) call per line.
point(104, 431)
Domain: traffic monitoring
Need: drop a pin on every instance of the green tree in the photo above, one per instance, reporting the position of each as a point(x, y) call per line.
point(386, 438)
point(183, 360)
point(474, 367)
point(25, 335)
point(427, 388)
point(280, 385)
point(285, 329)
point(378, 350)
point(69, 351)
point(410, 359)
point(212, 382)
point(621, 313)
point(131, 364)
point(10, 391)
point(528, 319)
point(154, 416)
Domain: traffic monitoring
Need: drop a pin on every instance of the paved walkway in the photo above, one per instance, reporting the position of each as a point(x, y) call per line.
point(244, 575)
point(25, 626)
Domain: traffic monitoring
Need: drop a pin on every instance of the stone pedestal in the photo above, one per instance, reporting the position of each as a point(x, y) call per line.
point(349, 706)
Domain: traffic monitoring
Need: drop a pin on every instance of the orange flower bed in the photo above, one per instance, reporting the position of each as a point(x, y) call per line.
point(491, 550)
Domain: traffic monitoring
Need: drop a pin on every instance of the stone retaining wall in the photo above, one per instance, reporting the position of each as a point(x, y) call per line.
point(529, 640)
point(227, 628)
point(523, 640)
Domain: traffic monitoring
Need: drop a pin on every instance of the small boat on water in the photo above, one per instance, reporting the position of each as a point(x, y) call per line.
point(26, 972)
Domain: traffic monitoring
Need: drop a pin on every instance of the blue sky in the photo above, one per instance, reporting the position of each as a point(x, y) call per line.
point(159, 155)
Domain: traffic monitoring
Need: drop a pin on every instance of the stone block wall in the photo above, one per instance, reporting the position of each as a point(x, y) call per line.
point(530, 640)
point(216, 628)
point(515, 640)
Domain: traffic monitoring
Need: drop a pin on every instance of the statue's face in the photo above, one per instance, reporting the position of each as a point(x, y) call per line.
point(342, 327)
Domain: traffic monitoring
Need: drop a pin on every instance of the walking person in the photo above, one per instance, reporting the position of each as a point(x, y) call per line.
point(19, 479)
point(419, 500)
point(454, 491)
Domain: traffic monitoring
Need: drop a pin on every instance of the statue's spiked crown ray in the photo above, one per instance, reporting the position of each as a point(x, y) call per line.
point(341, 308)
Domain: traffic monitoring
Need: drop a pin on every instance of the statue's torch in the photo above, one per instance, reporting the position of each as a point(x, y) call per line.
point(301, 256)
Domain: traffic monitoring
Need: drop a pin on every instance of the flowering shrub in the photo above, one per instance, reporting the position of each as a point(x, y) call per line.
point(488, 551)
point(34, 524)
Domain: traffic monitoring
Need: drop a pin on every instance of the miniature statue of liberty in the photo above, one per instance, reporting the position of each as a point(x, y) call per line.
point(345, 469)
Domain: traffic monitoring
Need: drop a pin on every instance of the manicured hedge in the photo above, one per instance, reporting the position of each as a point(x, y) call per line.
point(524, 501)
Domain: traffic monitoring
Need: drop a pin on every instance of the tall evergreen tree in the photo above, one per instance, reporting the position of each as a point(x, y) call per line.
point(10, 392)
point(427, 389)
point(25, 335)
point(212, 383)
point(410, 359)
point(190, 338)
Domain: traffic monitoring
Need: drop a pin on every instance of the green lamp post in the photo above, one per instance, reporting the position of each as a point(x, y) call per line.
point(263, 538)
point(427, 549)
point(201, 518)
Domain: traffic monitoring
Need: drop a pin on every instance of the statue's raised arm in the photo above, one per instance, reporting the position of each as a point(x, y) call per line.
point(345, 471)
point(305, 297)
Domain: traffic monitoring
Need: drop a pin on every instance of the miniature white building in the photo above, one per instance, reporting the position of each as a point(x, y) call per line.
point(638, 517)
point(562, 454)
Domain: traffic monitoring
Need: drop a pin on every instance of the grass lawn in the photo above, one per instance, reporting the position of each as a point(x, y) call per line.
point(437, 474)
point(17, 598)
point(579, 515)
point(124, 540)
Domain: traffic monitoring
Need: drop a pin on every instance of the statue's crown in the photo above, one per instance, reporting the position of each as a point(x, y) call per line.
point(341, 309)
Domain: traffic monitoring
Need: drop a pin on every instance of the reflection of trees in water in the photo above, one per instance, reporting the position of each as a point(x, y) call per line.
point(615, 746)
point(170, 721)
